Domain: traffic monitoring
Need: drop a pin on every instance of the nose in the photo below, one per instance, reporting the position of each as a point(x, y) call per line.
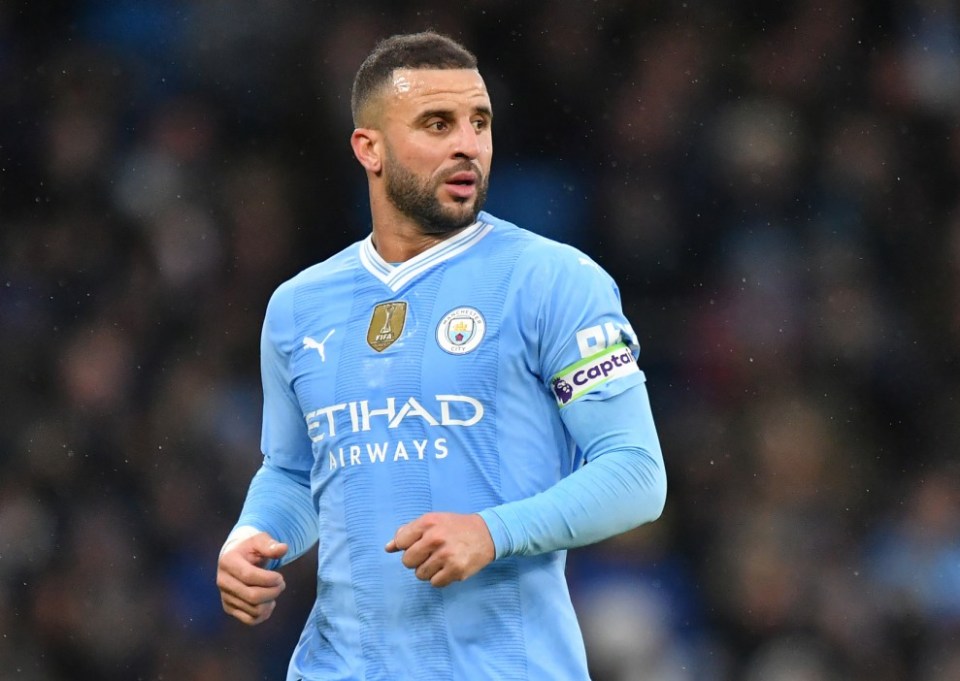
point(467, 141)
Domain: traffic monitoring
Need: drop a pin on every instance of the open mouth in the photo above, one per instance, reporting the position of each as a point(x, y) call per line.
point(462, 185)
point(463, 179)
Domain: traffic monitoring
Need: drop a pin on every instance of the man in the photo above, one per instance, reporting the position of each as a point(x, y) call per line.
point(431, 395)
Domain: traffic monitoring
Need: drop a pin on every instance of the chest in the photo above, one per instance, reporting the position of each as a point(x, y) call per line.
point(431, 349)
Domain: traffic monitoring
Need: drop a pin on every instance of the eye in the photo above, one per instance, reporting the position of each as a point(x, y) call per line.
point(480, 124)
point(437, 125)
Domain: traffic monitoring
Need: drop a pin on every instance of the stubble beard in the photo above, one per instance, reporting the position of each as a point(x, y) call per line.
point(417, 199)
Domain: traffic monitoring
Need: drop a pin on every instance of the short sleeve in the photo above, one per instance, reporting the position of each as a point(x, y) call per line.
point(283, 439)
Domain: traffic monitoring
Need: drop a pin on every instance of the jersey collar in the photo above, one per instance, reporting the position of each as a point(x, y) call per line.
point(397, 276)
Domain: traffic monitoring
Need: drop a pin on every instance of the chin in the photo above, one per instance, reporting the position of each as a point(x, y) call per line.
point(449, 221)
point(456, 211)
point(463, 210)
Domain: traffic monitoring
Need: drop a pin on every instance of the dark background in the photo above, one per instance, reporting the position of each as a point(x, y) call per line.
point(774, 188)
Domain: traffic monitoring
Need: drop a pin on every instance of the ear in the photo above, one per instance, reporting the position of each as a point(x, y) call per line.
point(366, 147)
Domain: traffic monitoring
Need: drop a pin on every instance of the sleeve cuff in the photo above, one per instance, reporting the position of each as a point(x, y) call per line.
point(239, 534)
point(498, 531)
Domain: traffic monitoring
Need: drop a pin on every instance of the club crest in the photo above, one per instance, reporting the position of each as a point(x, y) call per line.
point(461, 330)
point(386, 324)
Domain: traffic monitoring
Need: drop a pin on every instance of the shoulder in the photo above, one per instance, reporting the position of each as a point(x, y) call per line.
point(344, 262)
point(312, 281)
point(544, 259)
point(336, 265)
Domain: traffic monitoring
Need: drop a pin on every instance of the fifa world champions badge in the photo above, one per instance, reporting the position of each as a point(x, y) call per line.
point(386, 324)
point(461, 330)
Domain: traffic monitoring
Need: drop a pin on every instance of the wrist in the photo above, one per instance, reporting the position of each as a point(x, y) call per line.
point(498, 533)
point(237, 535)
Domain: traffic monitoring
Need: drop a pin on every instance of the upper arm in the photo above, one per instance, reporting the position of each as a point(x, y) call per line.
point(283, 439)
point(588, 349)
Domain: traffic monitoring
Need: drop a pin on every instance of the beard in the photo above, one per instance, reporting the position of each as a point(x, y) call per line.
point(417, 198)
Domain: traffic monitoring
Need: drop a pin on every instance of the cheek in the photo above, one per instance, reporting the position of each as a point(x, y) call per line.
point(422, 159)
point(486, 156)
point(486, 146)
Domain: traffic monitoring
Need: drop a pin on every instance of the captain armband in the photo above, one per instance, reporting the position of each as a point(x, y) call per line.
point(580, 378)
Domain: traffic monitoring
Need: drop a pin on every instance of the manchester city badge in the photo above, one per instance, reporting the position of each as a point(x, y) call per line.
point(461, 330)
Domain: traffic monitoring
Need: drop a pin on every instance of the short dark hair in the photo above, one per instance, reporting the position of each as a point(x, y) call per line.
point(426, 50)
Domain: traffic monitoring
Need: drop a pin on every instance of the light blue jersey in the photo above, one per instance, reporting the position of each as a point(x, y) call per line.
point(443, 384)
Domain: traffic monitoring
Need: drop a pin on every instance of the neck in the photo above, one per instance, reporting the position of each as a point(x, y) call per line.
point(400, 241)
point(396, 236)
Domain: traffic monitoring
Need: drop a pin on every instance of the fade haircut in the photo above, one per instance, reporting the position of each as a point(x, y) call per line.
point(426, 50)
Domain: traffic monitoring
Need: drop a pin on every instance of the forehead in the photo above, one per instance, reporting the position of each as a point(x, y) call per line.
point(415, 89)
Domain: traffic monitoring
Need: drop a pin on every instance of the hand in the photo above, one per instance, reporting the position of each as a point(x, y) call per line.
point(247, 590)
point(443, 548)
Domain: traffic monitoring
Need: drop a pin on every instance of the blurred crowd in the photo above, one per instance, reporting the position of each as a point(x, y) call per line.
point(775, 186)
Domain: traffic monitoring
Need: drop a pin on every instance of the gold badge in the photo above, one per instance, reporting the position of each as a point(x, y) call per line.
point(386, 324)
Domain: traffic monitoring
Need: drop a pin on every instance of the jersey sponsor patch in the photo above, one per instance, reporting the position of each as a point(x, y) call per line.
point(593, 339)
point(580, 378)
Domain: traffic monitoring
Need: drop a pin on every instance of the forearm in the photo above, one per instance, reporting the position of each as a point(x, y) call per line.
point(615, 493)
point(279, 503)
point(622, 486)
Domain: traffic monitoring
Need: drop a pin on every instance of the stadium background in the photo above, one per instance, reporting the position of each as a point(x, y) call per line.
point(775, 189)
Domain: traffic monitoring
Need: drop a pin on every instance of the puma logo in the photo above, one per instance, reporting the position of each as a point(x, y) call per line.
point(310, 344)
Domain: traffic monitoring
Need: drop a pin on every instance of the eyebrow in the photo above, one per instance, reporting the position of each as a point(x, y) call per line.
point(448, 113)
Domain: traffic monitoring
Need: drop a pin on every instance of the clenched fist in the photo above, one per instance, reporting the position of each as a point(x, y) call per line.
point(443, 548)
point(248, 591)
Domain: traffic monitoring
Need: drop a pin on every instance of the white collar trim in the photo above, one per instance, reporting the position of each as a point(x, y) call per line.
point(396, 277)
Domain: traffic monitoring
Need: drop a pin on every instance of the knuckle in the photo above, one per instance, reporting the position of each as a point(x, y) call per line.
point(266, 595)
point(264, 612)
point(244, 571)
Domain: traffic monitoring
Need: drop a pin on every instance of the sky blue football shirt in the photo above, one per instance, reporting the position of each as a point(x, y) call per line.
point(438, 384)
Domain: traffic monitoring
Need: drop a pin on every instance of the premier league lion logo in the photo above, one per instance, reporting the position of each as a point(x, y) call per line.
point(563, 390)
